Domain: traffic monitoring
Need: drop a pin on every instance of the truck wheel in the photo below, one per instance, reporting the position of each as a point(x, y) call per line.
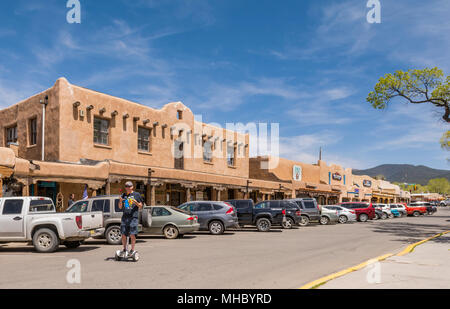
point(72, 244)
point(363, 217)
point(384, 216)
point(263, 224)
point(45, 241)
point(113, 235)
point(288, 224)
point(170, 232)
point(304, 221)
point(416, 214)
point(324, 220)
point(391, 216)
point(216, 227)
point(343, 219)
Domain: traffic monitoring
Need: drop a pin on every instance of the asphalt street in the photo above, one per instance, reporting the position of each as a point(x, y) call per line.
point(237, 259)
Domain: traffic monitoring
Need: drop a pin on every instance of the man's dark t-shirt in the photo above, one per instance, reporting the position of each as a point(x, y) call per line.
point(130, 209)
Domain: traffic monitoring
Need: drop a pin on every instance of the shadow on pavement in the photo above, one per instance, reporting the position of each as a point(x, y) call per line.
point(249, 229)
point(410, 232)
point(186, 236)
point(30, 249)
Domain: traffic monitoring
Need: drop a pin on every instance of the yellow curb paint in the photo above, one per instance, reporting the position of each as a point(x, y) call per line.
point(343, 272)
point(410, 248)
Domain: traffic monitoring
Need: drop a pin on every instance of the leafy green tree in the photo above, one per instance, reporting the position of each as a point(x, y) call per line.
point(439, 185)
point(380, 177)
point(445, 140)
point(416, 87)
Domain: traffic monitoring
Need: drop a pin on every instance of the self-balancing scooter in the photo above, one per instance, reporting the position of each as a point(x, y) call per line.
point(126, 256)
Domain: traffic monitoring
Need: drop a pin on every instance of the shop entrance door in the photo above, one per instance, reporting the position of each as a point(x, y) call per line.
point(47, 189)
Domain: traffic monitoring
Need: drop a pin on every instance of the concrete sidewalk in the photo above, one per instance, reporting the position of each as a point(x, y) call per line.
point(427, 267)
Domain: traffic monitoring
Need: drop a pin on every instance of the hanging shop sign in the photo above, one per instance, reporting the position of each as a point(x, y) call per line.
point(337, 176)
point(297, 173)
point(367, 183)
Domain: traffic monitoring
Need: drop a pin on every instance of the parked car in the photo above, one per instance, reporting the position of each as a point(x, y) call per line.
point(309, 208)
point(215, 217)
point(364, 211)
point(344, 215)
point(386, 209)
point(263, 215)
point(430, 208)
point(34, 219)
point(112, 216)
point(445, 203)
point(416, 209)
point(171, 222)
point(379, 214)
point(293, 214)
point(400, 208)
point(328, 216)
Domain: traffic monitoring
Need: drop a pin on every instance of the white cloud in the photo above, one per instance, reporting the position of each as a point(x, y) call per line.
point(224, 97)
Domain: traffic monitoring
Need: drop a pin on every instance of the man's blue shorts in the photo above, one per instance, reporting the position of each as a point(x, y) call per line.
point(129, 226)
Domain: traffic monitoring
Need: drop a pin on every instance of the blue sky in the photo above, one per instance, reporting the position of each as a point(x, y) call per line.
point(307, 65)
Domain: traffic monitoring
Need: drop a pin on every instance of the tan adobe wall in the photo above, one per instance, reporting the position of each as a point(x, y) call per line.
point(21, 113)
point(76, 138)
point(282, 169)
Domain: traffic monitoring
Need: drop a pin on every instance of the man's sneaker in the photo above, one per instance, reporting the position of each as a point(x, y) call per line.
point(123, 253)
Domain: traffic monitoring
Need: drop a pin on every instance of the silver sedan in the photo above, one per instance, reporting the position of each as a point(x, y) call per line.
point(345, 215)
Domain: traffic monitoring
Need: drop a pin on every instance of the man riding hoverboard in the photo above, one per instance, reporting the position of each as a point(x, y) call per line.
point(130, 202)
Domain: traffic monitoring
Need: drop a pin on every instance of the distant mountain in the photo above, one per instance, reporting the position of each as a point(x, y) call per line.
point(405, 173)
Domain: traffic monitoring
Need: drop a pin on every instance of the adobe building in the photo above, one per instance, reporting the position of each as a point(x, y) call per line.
point(67, 137)
point(298, 179)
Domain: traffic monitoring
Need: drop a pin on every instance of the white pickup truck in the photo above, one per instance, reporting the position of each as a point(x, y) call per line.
point(34, 219)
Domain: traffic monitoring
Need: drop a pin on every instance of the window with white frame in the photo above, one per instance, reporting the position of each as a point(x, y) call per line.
point(207, 150)
point(32, 131)
point(144, 139)
point(231, 155)
point(11, 135)
point(101, 131)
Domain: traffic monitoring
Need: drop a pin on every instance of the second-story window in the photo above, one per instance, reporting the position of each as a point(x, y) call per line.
point(144, 139)
point(32, 131)
point(11, 135)
point(207, 151)
point(231, 155)
point(101, 131)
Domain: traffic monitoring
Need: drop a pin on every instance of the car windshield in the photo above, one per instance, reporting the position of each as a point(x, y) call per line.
point(41, 206)
point(81, 206)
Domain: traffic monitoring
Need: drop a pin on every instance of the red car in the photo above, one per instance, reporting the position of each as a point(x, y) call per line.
point(364, 211)
point(415, 210)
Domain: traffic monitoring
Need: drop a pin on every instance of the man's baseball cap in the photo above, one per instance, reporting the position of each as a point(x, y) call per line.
point(128, 184)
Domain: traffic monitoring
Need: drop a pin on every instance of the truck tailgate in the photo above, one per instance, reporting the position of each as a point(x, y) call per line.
point(92, 220)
